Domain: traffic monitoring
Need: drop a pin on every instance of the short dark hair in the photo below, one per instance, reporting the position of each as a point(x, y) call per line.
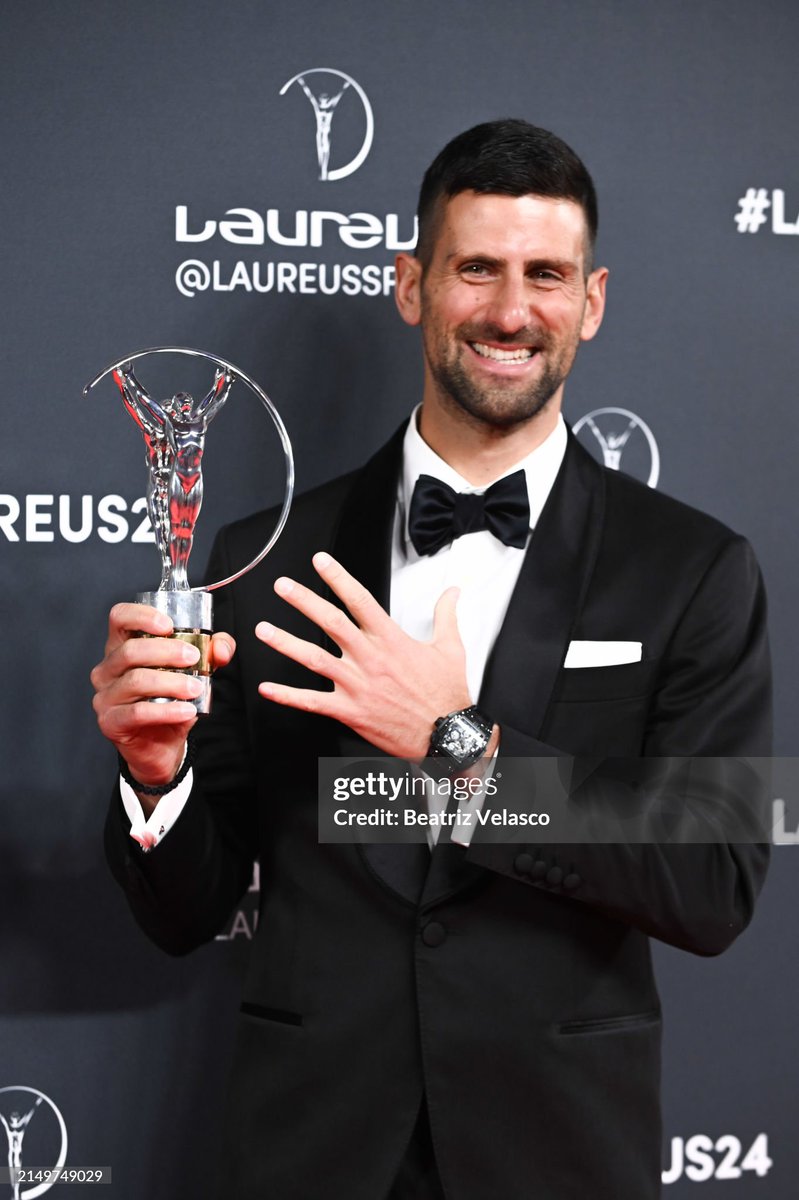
point(509, 158)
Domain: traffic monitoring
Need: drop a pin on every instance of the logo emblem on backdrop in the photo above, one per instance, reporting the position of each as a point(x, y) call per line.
point(325, 94)
point(21, 1108)
point(617, 433)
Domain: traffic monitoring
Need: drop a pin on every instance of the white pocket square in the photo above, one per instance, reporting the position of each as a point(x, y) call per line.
point(602, 654)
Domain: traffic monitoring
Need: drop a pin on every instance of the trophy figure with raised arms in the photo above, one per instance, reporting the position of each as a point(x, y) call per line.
point(613, 444)
point(174, 434)
point(324, 106)
point(15, 1128)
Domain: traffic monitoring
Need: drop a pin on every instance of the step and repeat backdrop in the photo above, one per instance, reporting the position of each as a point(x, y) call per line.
point(238, 177)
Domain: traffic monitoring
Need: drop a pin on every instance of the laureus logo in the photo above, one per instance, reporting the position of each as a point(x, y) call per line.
point(616, 432)
point(29, 1116)
point(325, 94)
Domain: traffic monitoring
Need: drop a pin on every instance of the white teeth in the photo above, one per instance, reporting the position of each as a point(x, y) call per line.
point(520, 355)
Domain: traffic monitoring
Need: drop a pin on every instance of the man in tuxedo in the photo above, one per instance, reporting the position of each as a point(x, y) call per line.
point(473, 1018)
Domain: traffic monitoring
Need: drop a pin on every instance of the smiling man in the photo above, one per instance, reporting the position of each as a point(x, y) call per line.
point(504, 296)
point(501, 325)
point(464, 1019)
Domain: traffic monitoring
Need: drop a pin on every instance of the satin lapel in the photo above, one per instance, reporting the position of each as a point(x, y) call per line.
point(362, 541)
point(362, 544)
point(532, 643)
point(546, 602)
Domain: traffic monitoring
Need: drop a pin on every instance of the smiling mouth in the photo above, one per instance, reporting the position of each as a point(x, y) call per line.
point(519, 354)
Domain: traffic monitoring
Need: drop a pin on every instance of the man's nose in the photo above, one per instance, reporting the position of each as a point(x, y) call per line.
point(509, 307)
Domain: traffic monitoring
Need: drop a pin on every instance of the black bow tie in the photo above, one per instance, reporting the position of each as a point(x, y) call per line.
point(438, 514)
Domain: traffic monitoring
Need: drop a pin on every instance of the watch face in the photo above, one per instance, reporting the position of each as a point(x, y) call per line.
point(461, 739)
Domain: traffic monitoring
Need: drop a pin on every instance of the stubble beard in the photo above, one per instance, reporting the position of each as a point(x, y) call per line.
point(505, 405)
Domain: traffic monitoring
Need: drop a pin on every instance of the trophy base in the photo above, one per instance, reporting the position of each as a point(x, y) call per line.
point(191, 614)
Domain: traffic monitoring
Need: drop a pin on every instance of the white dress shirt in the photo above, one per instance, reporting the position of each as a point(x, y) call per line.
point(479, 564)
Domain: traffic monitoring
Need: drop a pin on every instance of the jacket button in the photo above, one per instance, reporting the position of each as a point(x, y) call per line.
point(434, 934)
point(572, 881)
point(554, 876)
point(523, 864)
point(539, 869)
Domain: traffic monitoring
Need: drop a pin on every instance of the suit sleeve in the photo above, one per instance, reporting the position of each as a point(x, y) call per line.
point(182, 892)
point(712, 705)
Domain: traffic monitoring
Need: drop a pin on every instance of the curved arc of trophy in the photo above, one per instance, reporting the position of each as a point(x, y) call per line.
point(174, 432)
point(235, 373)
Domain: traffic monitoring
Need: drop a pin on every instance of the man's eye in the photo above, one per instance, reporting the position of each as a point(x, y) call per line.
point(475, 270)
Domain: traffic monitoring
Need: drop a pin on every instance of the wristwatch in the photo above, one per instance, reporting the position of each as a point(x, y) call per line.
point(460, 738)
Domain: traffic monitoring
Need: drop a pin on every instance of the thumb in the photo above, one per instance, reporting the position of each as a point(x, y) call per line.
point(445, 620)
point(223, 647)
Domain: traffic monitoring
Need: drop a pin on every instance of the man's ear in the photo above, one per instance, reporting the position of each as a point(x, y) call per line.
point(408, 288)
point(594, 303)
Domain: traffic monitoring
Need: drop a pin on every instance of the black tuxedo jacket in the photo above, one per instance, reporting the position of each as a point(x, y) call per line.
point(511, 983)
